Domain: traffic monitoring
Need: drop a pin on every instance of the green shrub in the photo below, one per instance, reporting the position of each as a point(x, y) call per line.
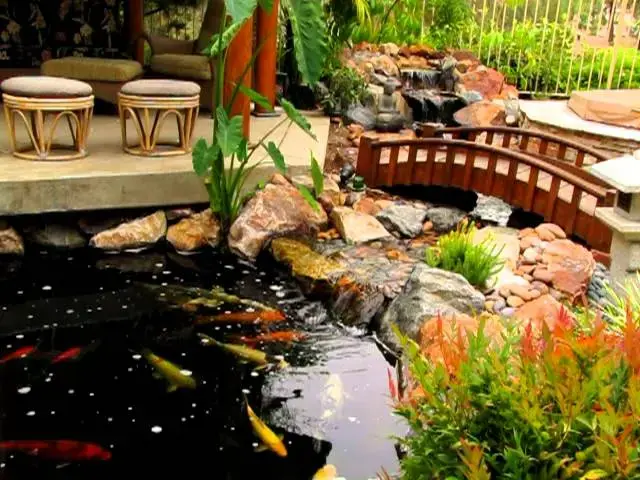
point(346, 88)
point(457, 253)
point(560, 404)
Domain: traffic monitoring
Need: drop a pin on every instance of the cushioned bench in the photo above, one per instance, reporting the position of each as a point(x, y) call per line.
point(105, 75)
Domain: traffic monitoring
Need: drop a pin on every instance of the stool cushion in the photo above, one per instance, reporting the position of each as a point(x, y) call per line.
point(161, 88)
point(192, 67)
point(93, 69)
point(45, 87)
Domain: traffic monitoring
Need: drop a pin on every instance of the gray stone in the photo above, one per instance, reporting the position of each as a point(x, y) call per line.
point(429, 292)
point(362, 116)
point(56, 236)
point(382, 80)
point(491, 210)
point(407, 220)
point(11, 242)
point(445, 219)
point(499, 305)
point(471, 96)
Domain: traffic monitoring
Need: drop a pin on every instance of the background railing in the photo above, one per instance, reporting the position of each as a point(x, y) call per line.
point(553, 47)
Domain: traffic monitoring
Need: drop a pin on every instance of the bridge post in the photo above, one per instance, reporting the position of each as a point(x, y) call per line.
point(365, 166)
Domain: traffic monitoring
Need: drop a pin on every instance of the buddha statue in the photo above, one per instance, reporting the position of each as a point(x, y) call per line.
point(389, 118)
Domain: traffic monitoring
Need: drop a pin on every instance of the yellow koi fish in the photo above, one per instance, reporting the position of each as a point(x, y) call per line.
point(272, 441)
point(246, 353)
point(173, 374)
point(328, 472)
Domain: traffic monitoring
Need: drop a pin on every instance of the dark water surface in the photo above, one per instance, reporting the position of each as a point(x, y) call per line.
point(331, 404)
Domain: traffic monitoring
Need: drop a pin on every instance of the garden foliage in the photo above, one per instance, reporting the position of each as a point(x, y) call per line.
point(535, 405)
point(456, 252)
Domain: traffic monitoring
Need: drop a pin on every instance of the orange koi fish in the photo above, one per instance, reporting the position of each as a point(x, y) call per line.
point(18, 354)
point(262, 316)
point(70, 354)
point(65, 450)
point(393, 390)
point(286, 337)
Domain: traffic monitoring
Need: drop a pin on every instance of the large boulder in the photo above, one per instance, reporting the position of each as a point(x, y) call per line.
point(137, 234)
point(56, 236)
point(356, 227)
point(11, 242)
point(570, 267)
point(445, 219)
point(361, 116)
point(543, 310)
point(276, 210)
point(407, 220)
point(195, 232)
point(487, 81)
point(386, 65)
point(481, 114)
point(429, 292)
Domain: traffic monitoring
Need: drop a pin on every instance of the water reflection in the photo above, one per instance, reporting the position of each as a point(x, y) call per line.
point(88, 322)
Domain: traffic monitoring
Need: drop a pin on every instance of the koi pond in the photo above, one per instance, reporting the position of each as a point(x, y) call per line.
point(132, 364)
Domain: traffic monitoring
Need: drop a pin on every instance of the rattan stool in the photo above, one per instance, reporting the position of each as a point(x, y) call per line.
point(148, 103)
point(41, 102)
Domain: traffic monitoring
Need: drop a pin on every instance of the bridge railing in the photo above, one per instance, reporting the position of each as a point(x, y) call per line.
point(564, 197)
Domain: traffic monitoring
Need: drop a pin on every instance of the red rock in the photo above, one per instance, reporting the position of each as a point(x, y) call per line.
point(522, 269)
point(385, 64)
point(530, 241)
point(542, 274)
point(514, 301)
point(465, 56)
point(545, 234)
point(522, 292)
point(481, 114)
point(539, 286)
point(422, 50)
point(195, 232)
point(543, 309)
point(526, 232)
point(427, 227)
point(367, 205)
point(389, 49)
point(382, 203)
point(535, 294)
point(527, 277)
point(413, 62)
point(508, 92)
point(570, 266)
point(487, 81)
point(505, 291)
point(555, 229)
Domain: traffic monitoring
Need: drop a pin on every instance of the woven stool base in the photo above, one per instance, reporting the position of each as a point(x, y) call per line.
point(41, 118)
point(148, 115)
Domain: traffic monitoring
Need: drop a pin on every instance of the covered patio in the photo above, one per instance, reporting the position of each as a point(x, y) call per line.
point(109, 178)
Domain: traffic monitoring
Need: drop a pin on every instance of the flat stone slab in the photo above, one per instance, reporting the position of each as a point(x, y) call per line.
point(623, 173)
point(111, 179)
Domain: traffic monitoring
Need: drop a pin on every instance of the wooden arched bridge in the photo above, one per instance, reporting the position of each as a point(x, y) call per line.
point(538, 172)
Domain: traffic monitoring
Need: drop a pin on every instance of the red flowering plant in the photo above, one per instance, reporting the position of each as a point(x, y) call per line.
point(559, 403)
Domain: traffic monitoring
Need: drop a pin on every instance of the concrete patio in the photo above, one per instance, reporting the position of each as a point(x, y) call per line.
point(109, 178)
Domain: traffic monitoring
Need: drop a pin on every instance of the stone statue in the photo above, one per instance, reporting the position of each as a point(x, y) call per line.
point(389, 118)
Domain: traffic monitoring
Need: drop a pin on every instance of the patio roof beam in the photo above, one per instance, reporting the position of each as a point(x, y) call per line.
point(265, 78)
point(136, 28)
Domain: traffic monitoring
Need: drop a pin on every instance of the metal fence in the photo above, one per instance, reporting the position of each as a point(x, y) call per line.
point(553, 47)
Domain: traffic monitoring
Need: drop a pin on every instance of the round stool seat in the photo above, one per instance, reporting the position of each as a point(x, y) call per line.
point(45, 87)
point(161, 88)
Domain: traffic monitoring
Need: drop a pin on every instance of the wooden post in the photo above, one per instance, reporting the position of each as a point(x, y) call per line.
point(238, 56)
point(136, 28)
point(267, 58)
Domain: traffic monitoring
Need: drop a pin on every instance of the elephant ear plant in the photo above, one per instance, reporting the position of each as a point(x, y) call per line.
point(225, 163)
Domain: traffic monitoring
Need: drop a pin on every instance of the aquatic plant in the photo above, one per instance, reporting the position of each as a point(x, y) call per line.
point(224, 163)
point(456, 252)
point(556, 403)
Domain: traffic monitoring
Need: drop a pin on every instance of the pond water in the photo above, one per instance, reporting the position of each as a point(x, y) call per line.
point(331, 404)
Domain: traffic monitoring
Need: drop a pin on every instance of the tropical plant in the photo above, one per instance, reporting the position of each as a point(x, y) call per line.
point(224, 164)
point(345, 87)
point(534, 405)
point(457, 252)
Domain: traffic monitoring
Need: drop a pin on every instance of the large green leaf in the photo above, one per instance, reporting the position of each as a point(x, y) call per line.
point(220, 43)
point(256, 97)
point(240, 10)
point(296, 117)
point(200, 158)
point(229, 132)
point(309, 37)
point(277, 157)
point(317, 176)
point(308, 196)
